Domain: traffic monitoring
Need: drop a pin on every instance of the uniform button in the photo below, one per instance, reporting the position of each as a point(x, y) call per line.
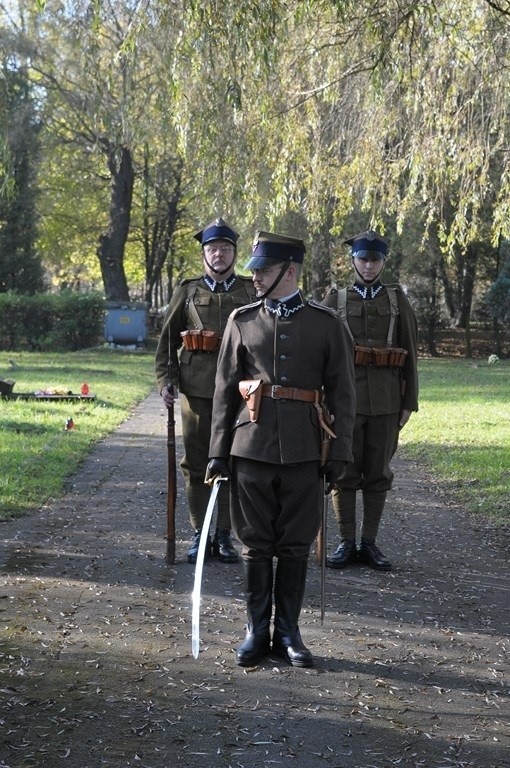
point(283, 336)
point(284, 378)
point(283, 357)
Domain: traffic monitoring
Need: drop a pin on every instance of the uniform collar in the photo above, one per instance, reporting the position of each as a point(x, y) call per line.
point(221, 287)
point(368, 291)
point(285, 307)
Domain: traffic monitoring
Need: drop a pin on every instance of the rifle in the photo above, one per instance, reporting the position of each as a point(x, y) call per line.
point(171, 495)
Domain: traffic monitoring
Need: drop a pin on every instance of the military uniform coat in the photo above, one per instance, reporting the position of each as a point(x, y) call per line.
point(379, 397)
point(378, 390)
point(308, 349)
point(275, 488)
point(194, 305)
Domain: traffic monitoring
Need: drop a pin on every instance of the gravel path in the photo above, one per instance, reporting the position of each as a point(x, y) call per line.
point(412, 666)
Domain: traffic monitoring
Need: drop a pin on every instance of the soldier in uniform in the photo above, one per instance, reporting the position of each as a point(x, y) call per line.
point(189, 341)
point(384, 329)
point(278, 358)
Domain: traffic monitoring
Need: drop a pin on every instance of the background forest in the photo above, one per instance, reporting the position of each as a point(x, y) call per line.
point(126, 126)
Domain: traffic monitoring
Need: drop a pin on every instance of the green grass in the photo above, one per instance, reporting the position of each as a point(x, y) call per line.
point(37, 454)
point(461, 434)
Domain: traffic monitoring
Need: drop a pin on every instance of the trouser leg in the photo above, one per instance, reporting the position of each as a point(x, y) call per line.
point(275, 508)
point(258, 585)
point(196, 413)
point(198, 498)
point(290, 583)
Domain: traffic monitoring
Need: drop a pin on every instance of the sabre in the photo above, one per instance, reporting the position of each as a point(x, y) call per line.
point(197, 587)
point(321, 541)
point(323, 553)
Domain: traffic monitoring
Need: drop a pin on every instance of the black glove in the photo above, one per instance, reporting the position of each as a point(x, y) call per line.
point(331, 471)
point(216, 468)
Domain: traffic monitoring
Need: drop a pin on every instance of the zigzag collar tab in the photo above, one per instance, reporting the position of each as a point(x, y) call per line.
point(221, 287)
point(285, 308)
point(368, 291)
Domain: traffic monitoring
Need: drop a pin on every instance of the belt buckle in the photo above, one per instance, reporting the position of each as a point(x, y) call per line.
point(274, 388)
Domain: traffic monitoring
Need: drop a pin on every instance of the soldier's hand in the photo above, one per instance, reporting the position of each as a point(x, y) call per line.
point(404, 418)
point(331, 471)
point(216, 468)
point(169, 395)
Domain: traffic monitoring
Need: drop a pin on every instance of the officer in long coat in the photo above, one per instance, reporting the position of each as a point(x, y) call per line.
point(384, 329)
point(190, 341)
point(279, 357)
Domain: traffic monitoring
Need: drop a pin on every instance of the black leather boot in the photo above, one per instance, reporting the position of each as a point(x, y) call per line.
point(193, 550)
point(289, 591)
point(370, 555)
point(222, 547)
point(258, 585)
point(345, 554)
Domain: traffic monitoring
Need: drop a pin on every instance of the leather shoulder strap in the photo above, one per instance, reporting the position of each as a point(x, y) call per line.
point(341, 303)
point(392, 295)
point(190, 305)
point(341, 308)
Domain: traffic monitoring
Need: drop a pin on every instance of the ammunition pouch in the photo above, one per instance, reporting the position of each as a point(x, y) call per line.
point(362, 355)
point(251, 392)
point(380, 357)
point(201, 341)
point(397, 357)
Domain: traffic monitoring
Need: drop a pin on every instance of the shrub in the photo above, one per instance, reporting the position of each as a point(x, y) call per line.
point(498, 296)
point(66, 321)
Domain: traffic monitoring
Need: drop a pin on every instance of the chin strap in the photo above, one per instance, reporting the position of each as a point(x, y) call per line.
point(368, 282)
point(284, 268)
point(217, 271)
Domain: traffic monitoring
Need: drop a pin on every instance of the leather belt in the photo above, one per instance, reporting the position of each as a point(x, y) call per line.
point(290, 393)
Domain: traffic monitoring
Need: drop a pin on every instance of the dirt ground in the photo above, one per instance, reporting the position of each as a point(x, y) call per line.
point(412, 666)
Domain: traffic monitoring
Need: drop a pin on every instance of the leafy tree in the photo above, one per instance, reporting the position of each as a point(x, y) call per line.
point(20, 265)
point(316, 118)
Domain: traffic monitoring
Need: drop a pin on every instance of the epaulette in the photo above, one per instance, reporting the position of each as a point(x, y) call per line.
point(246, 307)
point(187, 280)
point(245, 278)
point(316, 305)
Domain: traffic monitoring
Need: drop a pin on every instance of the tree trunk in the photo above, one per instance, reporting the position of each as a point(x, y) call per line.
point(159, 225)
point(162, 236)
point(111, 244)
point(449, 297)
point(431, 314)
point(320, 277)
point(468, 284)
